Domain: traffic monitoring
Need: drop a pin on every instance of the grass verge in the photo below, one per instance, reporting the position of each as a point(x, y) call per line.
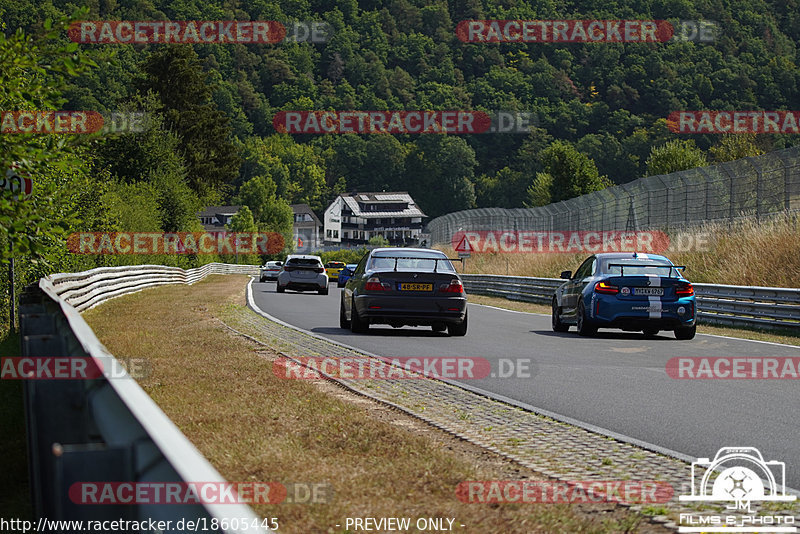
point(220, 391)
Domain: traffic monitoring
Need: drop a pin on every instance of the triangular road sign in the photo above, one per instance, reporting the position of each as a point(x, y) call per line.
point(464, 245)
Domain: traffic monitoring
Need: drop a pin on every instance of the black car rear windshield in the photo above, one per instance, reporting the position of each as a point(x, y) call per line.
point(411, 262)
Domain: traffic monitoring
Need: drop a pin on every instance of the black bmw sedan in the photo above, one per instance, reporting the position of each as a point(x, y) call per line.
point(404, 287)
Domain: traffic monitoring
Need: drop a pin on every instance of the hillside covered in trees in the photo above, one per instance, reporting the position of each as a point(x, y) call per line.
point(598, 105)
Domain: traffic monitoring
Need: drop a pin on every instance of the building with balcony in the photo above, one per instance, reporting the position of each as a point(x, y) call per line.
point(353, 218)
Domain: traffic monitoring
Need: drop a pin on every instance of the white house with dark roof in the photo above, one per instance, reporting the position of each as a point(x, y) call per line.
point(214, 218)
point(353, 218)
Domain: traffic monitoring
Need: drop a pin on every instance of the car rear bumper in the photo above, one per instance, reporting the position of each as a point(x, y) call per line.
point(412, 311)
point(610, 312)
point(289, 282)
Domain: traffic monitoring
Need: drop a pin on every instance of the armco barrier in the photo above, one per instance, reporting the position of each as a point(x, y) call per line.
point(107, 429)
point(754, 307)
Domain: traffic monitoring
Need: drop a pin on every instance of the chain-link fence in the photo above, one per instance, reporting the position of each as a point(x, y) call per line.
point(747, 188)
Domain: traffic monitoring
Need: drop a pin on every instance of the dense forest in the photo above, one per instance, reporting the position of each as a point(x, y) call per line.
point(601, 109)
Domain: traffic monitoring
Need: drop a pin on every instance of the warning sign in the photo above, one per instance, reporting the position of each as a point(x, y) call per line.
point(464, 245)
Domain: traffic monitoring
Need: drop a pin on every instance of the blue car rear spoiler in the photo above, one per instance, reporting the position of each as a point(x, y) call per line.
point(629, 264)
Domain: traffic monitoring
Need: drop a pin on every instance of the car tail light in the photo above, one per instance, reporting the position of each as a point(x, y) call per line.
point(319, 270)
point(288, 269)
point(454, 286)
point(375, 284)
point(603, 287)
point(684, 290)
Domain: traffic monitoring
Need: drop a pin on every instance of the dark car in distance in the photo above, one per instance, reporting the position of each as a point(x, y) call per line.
point(404, 287)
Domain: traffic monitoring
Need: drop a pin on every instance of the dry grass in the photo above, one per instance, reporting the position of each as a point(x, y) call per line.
point(747, 253)
point(220, 391)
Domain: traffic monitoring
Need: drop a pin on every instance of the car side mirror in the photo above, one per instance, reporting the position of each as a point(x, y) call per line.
point(566, 275)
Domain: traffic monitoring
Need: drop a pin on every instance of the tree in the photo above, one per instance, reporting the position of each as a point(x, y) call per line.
point(572, 173)
point(270, 213)
point(735, 146)
point(674, 156)
point(538, 194)
point(34, 72)
point(378, 241)
point(243, 221)
point(175, 75)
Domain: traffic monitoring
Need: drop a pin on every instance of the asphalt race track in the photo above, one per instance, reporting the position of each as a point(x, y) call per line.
point(616, 381)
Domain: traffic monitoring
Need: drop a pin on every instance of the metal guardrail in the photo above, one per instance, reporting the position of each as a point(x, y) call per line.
point(749, 306)
point(107, 429)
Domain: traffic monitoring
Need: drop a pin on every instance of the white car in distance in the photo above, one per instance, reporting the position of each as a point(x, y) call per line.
point(303, 272)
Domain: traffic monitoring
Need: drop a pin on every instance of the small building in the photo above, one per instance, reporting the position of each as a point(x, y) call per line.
point(353, 218)
point(214, 218)
point(306, 228)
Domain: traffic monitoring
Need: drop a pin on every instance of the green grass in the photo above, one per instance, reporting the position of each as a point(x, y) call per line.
point(14, 490)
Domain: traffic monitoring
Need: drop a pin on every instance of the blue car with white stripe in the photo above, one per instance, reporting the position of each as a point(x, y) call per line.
point(626, 290)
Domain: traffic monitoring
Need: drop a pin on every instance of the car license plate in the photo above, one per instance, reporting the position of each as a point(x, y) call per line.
point(650, 291)
point(416, 287)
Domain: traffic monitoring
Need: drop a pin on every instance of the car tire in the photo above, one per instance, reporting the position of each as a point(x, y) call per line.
point(279, 288)
point(458, 329)
point(558, 325)
point(323, 291)
point(650, 332)
point(343, 322)
point(685, 333)
point(262, 279)
point(357, 326)
point(584, 328)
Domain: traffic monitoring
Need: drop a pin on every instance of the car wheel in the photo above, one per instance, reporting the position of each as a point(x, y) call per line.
point(685, 333)
point(439, 327)
point(279, 288)
point(343, 322)
point(357, 326)
point(262, 279)
point(650, 332)
point(583, 325)
point(558, 326)
point(323, 291)
point(459, 329)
